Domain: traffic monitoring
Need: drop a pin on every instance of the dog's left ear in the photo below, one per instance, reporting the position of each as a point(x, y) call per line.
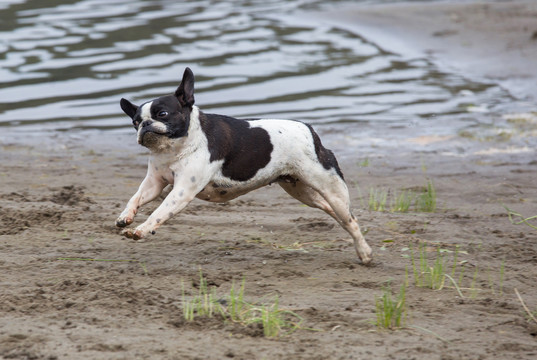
point(185, 91)
point(128, 107)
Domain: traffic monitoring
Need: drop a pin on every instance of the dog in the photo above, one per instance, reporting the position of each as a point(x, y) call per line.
point(218, 158)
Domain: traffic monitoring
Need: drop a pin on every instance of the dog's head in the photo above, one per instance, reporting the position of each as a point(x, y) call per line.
point(161, 122)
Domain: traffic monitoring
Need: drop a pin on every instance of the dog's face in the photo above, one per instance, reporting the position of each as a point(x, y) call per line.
point(161, 122)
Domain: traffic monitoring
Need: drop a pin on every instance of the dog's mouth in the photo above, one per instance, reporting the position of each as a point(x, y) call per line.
point(149, 135)
point(150, 129)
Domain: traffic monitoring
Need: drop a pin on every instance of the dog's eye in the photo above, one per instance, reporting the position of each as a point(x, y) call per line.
point(163, 114)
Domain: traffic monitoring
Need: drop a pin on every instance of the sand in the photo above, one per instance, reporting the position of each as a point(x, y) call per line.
point(74, 288)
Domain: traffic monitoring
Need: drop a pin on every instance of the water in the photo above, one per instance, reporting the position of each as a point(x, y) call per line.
point(64, 65)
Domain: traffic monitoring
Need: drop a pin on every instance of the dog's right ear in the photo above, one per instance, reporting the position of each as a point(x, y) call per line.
point(128, 108)
point(185, 91)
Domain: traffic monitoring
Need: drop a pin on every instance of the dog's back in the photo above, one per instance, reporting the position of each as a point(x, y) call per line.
point(250, 145)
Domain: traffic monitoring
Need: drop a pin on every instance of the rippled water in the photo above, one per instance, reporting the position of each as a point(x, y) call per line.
point(65, 65)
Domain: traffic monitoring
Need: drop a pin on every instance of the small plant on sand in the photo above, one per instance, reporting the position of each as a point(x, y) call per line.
point(205, 304)
point(531, 315)
point(274, 321)
point(434, 275)
point(377, 200)
point(439, 273)
point(521, 219)
point(386, 200)
point(403, 202)
point(426, 201)
point(391, 312)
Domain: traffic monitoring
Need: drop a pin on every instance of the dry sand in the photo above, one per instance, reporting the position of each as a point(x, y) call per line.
point(60, 197)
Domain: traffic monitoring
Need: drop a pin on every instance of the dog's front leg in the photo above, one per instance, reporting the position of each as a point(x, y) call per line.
point(184, 191)
point(149, 189)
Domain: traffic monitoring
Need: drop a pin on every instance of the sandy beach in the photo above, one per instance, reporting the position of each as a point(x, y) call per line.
point(74, 288)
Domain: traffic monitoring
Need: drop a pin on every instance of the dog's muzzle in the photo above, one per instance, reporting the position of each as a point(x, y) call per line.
point(149, 130)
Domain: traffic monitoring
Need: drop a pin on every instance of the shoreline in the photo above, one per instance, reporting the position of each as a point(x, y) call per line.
point(491, 41)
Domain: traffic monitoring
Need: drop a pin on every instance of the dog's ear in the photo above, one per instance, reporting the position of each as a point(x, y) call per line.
point(185, 91)
point(128, 107)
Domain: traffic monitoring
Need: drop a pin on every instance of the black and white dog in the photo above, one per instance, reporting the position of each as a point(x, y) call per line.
point(217, 158)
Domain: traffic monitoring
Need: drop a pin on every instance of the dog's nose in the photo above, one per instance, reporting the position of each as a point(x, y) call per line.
point(146, 123)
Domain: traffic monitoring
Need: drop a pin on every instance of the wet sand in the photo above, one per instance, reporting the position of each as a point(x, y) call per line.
point(60, 197)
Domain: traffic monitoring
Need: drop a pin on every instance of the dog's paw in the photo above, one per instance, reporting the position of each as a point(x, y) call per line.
point(364, 252)
point(367, 260)
point(133, 234)
point(123, 221)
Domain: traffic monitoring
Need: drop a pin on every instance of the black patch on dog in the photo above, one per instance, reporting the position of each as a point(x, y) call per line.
point(244, 149)
point(166, 109)
point(130, 109)
point(326, 157)
point(169, 111)
point(185, 91)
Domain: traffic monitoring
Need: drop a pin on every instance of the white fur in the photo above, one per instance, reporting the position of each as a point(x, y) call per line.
point(145, 111)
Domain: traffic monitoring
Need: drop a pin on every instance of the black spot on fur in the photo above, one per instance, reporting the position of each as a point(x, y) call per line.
point(177, 118)
point(326, 157)
point(244, 149)
point(193, 179)
point(223, 192)
point(171, 110)
point(158, 221)
point(170, 214)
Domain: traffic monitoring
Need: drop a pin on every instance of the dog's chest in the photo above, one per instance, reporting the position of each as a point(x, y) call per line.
point(161, 169)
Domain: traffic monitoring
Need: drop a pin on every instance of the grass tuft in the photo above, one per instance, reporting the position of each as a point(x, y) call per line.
point(391, 312)
point(205, 304)
point(275, 322)
point(435, 275)
point(438, 273)
point(426, 201)
point(386, 200)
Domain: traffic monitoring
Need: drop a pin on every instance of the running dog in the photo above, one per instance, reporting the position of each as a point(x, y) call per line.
point(218, 158)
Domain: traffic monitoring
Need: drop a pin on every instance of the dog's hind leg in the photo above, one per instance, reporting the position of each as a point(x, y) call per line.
point(334, 200)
